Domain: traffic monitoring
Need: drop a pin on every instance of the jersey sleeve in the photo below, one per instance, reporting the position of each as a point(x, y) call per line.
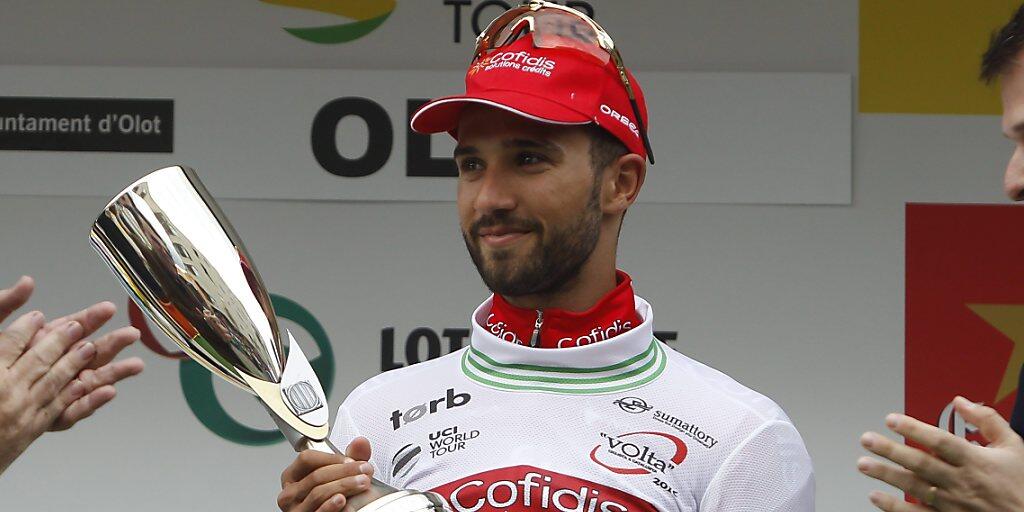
point(770, 471)
point(345, 429)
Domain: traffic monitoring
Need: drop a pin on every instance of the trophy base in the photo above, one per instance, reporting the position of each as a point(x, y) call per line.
point(401, 501)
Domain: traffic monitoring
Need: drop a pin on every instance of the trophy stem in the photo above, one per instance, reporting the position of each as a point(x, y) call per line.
point(320, 446)
point(378, 490)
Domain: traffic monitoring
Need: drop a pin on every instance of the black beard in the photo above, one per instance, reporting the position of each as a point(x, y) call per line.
point(553, 263)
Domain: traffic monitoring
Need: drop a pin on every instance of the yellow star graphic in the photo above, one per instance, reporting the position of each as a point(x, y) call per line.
point(1009, 320)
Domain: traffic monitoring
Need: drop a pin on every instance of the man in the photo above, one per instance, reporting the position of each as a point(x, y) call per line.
point(563, 400)
point(49, 378)
point(961, 476)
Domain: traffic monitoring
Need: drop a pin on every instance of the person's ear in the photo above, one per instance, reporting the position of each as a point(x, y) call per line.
point(621, 183)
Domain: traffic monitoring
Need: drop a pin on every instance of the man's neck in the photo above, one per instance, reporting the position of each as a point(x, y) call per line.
point(555, 327)
point(579, 294)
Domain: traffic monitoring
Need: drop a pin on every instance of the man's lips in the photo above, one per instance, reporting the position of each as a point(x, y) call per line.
point(500, 230)
point(501, 236)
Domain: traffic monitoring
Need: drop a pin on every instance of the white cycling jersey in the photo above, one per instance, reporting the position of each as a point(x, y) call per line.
point(626, 424)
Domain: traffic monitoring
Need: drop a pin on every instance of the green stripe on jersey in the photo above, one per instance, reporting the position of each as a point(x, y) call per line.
point(629, 374)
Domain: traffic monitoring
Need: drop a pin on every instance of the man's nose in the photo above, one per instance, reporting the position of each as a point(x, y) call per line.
point(495, 192)
point(1013, 179)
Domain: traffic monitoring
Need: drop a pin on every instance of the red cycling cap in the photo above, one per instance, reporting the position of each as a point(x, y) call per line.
point(548, 85)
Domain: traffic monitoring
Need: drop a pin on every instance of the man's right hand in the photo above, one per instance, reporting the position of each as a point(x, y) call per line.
point(322, 482)
point(966, 477)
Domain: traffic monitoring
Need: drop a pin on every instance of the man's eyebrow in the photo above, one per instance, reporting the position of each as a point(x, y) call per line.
point(465, 150)
point(530, 144)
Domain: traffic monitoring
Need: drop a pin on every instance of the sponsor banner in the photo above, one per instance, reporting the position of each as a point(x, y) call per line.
point(343, 135)
point(85, 124)
point(357, 19)
point(523, 488)
point(965, 306)
point(415, 34)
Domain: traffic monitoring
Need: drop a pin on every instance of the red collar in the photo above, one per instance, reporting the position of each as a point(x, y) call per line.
point(614, 314)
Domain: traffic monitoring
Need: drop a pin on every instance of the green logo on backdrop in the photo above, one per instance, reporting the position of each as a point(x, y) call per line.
point(197, 381)
point(367, 16)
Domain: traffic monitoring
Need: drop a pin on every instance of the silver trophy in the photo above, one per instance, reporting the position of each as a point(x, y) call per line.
point(178, 257)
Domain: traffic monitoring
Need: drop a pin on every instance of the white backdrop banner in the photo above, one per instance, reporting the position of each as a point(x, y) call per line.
point(343, 135)
point(654, 35)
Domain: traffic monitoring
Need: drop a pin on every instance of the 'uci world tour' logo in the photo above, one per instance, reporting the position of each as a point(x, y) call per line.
point(197, 382)
point(367, 16)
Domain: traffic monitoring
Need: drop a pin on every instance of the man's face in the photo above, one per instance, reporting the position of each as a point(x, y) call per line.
point(1013, 128)
point(528, 200)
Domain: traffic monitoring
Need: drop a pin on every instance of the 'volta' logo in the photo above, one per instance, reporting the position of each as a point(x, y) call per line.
point(368, 15)
point(639, 453)
point(197, 382)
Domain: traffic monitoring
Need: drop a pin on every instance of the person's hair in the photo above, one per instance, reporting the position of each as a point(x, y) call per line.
point(605, 148)
point(1003, 48)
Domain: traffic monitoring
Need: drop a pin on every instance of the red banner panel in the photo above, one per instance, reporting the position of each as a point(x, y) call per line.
point(964, 310)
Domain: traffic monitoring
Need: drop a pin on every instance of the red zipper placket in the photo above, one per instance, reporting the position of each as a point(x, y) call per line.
point(614, 314)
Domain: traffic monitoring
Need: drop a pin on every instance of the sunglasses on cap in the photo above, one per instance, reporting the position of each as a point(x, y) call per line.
point(555, 26)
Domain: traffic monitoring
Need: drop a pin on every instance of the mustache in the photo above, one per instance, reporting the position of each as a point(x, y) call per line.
point(491, 220)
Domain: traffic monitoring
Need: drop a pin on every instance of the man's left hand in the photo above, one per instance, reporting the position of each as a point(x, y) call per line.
point(95, 384)
point(957, 475)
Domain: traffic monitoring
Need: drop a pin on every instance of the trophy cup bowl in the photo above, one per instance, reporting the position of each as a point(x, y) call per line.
point(179, 259)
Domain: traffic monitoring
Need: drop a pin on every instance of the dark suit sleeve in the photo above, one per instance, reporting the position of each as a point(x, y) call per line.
point(1017, 420)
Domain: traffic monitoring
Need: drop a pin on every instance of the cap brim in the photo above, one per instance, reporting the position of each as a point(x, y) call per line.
point(442, 114)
